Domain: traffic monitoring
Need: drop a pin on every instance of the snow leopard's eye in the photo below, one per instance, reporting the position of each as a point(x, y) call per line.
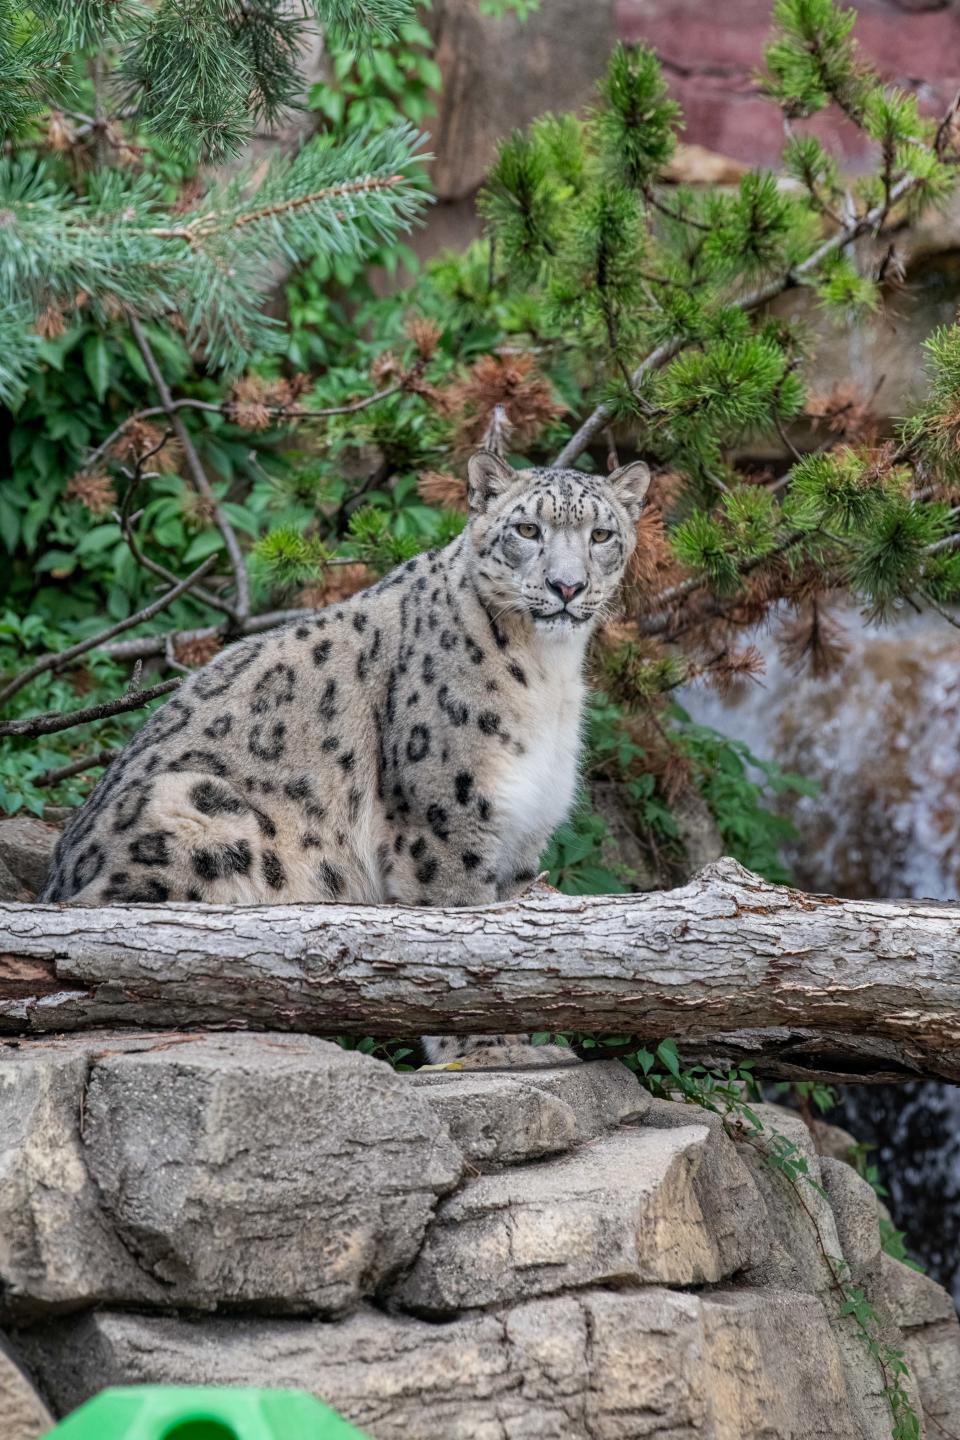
point(529, 532)
point(600, 536)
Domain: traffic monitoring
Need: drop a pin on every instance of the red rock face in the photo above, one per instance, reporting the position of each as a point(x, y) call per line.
point(711, 52)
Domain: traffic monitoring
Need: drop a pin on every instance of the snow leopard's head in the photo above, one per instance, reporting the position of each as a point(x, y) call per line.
point(551, 544)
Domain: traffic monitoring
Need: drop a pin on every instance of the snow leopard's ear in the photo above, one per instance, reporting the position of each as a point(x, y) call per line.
point(629, 485)
point(487, 477)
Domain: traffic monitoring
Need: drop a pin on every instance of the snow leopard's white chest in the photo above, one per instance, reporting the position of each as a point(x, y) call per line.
point(536, 790)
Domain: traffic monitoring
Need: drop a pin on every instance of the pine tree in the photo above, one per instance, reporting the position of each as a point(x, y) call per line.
point(82, 223)
point(663, 293)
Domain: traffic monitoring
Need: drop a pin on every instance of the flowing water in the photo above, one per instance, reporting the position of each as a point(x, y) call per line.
point(882, 739)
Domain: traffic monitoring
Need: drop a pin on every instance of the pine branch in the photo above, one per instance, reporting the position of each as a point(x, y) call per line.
point(119, 247)
point(56, 662)
point(659, 357)
point(211, 224)
point(53, 720)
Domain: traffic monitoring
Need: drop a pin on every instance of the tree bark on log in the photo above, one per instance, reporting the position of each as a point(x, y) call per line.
point(728, 965)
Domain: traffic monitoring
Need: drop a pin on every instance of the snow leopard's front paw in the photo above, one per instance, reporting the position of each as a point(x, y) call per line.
point(489, 1052)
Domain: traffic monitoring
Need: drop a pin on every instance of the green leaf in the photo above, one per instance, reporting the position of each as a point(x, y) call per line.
point(97, 364)
point(668, 1057)
point(9, 524)
point(100, 538)
point(203, 545)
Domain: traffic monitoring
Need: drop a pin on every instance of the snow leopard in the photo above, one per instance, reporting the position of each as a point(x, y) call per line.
point(417, 744)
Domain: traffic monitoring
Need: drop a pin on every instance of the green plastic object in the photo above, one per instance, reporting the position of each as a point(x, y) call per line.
point(174, 1412)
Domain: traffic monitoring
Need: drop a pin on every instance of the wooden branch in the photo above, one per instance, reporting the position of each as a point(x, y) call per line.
point(64, 657)
point(143, 647)
point(97, 761)
point(222, 407)
point(126, 524)
point(52, 721)
point(197, 473)
point(727, 965)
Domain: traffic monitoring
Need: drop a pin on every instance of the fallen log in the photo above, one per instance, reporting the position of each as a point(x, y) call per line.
point(727, 965)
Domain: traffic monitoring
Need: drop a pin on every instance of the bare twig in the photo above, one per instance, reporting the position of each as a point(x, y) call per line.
point(200, 592)
point(197, 473)
point(941, 611)
point(52, 721)
point(57, 662)
point(77, 767)
point(99, 121)
point(280, 412)
point(169, 654)
point(781, 431)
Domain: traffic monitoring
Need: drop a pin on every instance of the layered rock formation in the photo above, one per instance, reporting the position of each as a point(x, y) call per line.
point(543, 1255)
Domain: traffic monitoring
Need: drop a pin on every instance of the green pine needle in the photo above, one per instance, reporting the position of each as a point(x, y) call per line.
point(636, 123)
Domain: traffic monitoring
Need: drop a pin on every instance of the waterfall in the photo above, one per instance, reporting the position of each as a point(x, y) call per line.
point(882, 739)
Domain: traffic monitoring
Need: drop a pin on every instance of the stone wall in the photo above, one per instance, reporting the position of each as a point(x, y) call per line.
point(545, 1255)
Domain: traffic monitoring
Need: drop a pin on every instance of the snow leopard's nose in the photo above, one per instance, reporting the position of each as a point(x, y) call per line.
point(566, 589)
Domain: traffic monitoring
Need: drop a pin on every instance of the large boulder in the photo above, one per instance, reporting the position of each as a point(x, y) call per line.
point(256, 1169)
point(267, 1170)
point(726, 1365)
point(630, 1209)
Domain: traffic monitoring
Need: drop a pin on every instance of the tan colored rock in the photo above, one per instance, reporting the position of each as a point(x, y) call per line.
point(696, 165)
point(729, 1365)
point(57, 1248)
point(23, 1415)
point(927, 1317)
point(498, 75)
point(640, 1206)
point(856, 1217)
point(279, 1175)
point(504, 1119)
point(26, 848)
point(271, 1170)
point(775, 1369)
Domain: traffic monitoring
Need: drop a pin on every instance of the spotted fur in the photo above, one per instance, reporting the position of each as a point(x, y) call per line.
point(415, 745)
